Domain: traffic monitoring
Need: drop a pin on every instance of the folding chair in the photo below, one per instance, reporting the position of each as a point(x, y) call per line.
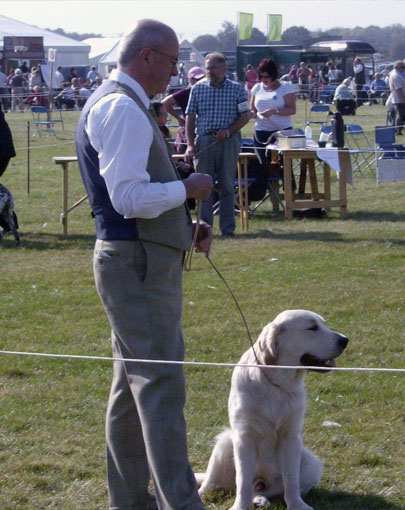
point(326, 93)
point(389, 156)
point(43, 121)
point(360, 148)
point(319, 114)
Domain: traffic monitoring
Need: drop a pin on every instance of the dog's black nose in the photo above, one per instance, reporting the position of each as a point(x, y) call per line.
point(343, 341)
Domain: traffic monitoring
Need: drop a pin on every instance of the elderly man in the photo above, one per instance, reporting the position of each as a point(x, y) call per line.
point(378, 88)
point(343, 98)
point(143, 229)
point(397, 87)
point(216, 111)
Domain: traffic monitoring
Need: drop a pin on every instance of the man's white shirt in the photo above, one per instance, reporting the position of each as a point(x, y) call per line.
point(122, 135)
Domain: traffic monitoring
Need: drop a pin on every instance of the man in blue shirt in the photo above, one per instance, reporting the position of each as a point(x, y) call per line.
point(378, 88)
point(217, 109)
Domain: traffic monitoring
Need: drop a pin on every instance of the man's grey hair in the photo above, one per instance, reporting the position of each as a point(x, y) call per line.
point(347, 82)
point(146, 33)
point(218, 57)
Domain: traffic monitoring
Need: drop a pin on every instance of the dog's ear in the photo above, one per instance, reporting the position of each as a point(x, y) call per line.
point(268, 343)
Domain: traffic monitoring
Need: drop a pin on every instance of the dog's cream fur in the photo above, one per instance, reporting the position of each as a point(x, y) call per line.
point(262, 454)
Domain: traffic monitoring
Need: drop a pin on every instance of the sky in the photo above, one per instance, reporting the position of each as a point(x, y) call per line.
point(190, 18)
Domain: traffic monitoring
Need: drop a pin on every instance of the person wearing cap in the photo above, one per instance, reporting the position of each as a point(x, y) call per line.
point(180, 99)
point(397, 87)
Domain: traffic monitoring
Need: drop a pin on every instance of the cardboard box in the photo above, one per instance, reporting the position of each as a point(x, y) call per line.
point(292, 142)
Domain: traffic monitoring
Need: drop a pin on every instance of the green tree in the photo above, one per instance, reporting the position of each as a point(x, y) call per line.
point(206, 42)
point(295, 35)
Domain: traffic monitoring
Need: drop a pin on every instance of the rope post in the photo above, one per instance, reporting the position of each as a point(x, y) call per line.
point(28, 156)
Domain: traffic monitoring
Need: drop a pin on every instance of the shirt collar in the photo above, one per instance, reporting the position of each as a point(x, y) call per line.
point(124, 78)
point(205, 80)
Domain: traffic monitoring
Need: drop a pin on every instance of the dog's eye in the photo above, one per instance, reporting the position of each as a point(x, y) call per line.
point(313, 328)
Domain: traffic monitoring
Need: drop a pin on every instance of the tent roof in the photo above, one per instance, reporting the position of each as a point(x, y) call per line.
point(11, 27)
point(100, 45)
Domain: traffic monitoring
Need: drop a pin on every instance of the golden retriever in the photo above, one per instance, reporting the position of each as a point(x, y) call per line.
point(262, 454)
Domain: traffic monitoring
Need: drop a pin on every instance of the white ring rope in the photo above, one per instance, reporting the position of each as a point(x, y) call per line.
point(202, 363)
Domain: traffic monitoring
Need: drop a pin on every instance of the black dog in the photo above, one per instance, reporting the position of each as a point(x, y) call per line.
point(8, 218)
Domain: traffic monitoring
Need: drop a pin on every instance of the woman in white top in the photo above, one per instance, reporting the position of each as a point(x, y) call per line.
point(272, 103)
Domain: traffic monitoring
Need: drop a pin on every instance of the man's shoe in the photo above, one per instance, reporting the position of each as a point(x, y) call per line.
point(229, 234)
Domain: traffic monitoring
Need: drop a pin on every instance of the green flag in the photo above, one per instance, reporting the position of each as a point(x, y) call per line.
point(245, 25)
point(274, 25)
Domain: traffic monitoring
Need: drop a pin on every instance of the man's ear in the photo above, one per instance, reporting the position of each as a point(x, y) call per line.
point(268, 343)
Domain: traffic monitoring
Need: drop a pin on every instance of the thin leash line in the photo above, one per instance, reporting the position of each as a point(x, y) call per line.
point(200, 363)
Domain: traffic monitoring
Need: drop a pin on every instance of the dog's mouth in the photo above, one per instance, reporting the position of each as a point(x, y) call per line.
point(309, 360)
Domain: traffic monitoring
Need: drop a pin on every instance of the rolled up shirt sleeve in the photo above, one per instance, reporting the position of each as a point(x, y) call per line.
point(122, 135)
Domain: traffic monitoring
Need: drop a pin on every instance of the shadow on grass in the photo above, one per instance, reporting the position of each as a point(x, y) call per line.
point(42, 241)
point(325, 499)
point(377, 216)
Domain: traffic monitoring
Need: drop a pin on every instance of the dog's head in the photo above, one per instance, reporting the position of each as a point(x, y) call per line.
point(300, 337)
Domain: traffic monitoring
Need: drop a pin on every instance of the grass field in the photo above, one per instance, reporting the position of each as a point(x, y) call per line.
point(351, 272)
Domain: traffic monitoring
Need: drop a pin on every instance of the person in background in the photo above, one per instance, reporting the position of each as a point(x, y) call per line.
point(92, 75)
point(217, 110)
point(3, 89)
point(333, 74)
point(59, 79)
point(272, 103)
point(7, 150)
point(378, 88)
point(360, 80)
point(35, 79)
point(180, 99)
point(251, 77)
point(143, 229)
point(303, 79)
point(343, 98)
point(81, 93)
point(37, 98)
point(293, 74)
point(97, 83)
point(66, 97)
point(24, 68)
point(73, 74)
point(397, 88)
point(17, 89)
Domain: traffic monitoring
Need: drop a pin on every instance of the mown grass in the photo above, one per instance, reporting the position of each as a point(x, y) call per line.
point(351, 272)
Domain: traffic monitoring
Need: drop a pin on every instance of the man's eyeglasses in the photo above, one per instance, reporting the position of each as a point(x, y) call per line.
point(174, 61)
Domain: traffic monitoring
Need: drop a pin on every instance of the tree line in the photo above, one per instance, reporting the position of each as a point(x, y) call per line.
point(389, 41)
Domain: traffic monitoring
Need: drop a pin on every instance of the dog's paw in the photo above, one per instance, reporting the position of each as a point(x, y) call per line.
point(260, 501)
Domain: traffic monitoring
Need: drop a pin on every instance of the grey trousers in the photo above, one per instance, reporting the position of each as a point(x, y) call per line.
point(219, 161)
point(140, 285)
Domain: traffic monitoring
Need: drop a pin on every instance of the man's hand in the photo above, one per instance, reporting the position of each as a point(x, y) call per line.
point(198, 186)
point(190, 153)
point(222, 135)
point(204, 237)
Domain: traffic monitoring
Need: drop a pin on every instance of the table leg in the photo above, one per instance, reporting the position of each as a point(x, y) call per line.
point(303, 177)
point(288, 194)
point(246, 193)
point(240, 193)
point(342, 191)
point(313, 180)
point(63, 216)
point(326, 183)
